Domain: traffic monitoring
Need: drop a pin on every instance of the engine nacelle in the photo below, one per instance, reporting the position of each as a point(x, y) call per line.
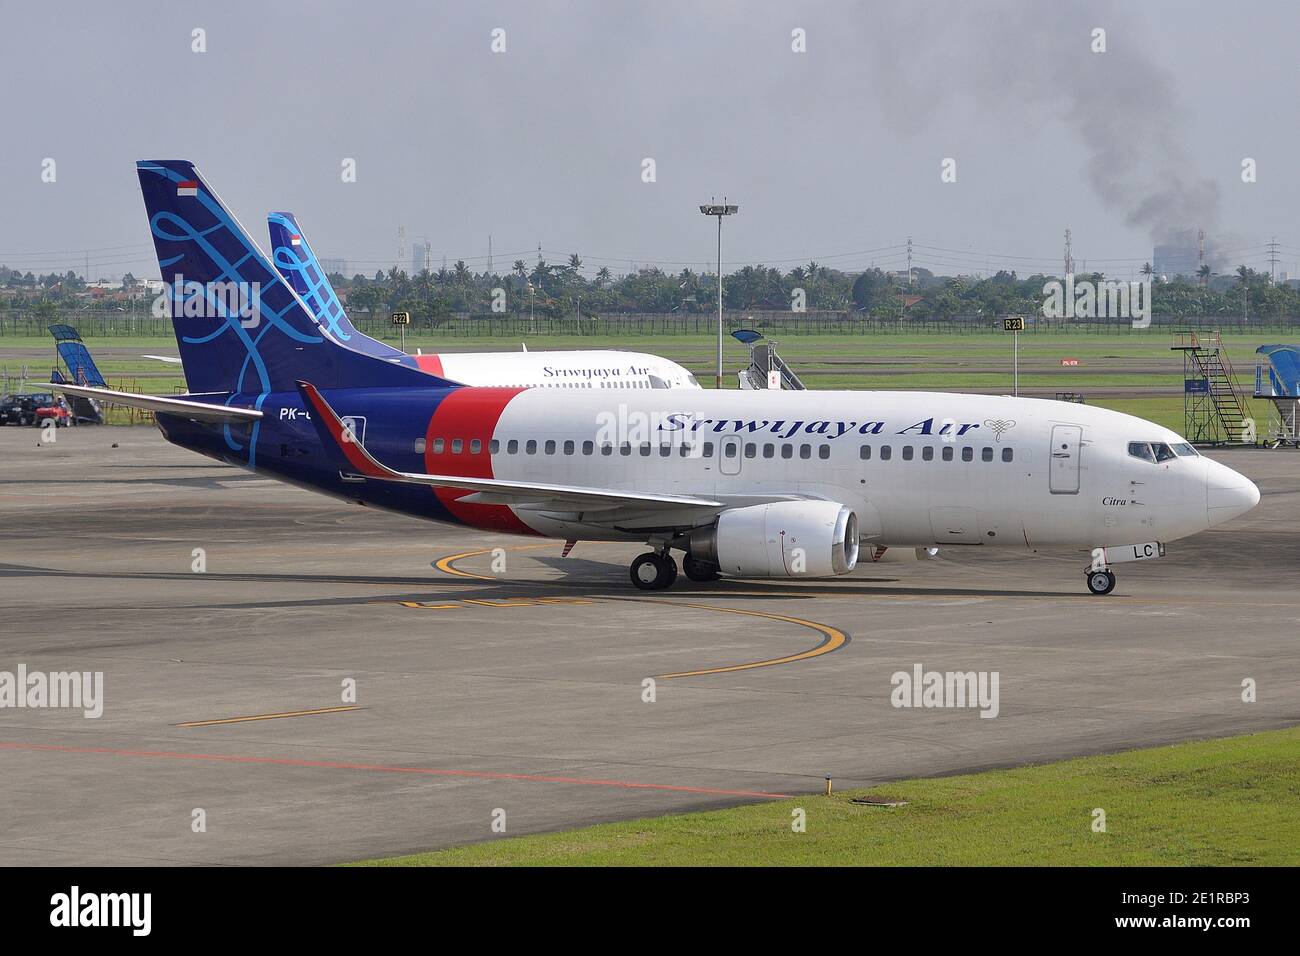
point(785, 539)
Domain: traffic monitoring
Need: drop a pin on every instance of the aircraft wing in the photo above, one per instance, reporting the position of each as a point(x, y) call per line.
point(487, 490)
point(181, 407)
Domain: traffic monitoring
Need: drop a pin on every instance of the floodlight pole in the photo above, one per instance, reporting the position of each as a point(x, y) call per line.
point(720, 210)
point(718, 383)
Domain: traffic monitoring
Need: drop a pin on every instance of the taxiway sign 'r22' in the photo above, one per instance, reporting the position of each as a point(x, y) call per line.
point(767, 484)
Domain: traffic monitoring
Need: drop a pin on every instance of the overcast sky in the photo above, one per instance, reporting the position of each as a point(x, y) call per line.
point(832, 154)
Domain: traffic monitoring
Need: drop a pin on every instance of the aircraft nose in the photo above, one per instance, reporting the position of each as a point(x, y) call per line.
point(1227, 493)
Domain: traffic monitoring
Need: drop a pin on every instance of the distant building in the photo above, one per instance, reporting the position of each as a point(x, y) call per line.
point(332, 266)
point(1176, 259)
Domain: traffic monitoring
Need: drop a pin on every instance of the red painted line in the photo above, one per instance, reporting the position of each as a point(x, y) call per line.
point(426, 771)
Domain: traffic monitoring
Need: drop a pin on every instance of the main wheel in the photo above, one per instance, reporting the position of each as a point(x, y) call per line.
point(699, 570)
point(653, 571)
point(1101, 582)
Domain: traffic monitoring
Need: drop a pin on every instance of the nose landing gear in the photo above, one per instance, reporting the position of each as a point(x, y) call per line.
point(1101, 581)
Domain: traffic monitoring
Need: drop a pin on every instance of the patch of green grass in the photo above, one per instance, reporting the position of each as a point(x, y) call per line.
point(915, 360)
point(1223, 802)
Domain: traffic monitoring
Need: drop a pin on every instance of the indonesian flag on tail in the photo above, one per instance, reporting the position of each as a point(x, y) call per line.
point(187, 187)
point(295, 240)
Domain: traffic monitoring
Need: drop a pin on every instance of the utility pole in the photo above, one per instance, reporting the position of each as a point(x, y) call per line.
point(1069, 259)
point(909, 262)
point(719, 210)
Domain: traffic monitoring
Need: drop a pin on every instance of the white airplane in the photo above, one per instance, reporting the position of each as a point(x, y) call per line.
point(768, 484)
point(567, 369)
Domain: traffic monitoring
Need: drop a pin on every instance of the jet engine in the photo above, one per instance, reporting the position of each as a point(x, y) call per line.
point(785, 539)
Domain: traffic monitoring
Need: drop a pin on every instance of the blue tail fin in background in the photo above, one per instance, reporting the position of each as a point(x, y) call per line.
point(298, 266)
point(239, 326)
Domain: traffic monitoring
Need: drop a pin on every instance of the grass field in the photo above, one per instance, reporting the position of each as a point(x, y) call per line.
point(1138, 365)
point(1225, 802)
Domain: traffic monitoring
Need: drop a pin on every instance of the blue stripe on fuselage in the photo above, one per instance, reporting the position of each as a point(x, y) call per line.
point(288, 446)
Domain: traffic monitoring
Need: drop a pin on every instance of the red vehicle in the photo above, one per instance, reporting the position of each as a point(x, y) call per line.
point(55, 411)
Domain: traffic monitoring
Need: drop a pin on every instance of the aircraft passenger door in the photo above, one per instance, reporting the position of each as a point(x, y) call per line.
point(1067, 447)
point(729, 452)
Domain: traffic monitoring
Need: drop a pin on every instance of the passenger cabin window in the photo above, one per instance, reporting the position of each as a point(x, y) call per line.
point(907, 453)
point(927, 453)
point(550, 447)
point(708, 449)
point(437, 446)
point(886, 452)
point(968, 454)
point(475, 446)
point(1006, 454)
point(823, 452)
point(457, 445)
point(531, 447)
point(588, 447)
point(512, 446)
point(787, 451)
point(805, 451)
point(986, 454)
point(494, 446)
point(946, 454)
point(865, 452)
point(751, 450)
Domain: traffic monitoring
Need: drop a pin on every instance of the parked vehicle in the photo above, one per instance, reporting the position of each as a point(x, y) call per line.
point(22, 408)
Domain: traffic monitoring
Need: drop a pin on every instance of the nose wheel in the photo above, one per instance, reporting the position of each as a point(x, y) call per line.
point(653, 571)
point(1101, 582)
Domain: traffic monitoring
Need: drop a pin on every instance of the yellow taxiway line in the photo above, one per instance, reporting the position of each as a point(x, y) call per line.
point(288, 713)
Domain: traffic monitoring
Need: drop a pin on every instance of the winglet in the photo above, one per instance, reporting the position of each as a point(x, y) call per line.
point(339, 440)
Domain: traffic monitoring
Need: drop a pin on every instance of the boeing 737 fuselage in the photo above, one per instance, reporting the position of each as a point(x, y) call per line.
point(779, 484)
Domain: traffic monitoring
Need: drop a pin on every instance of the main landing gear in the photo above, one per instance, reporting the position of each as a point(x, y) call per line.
point(656, 570)
point(653, 571)
point(1101, 581)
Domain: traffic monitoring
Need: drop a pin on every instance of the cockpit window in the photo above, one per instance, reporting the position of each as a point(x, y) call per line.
point(1140, 449)
point(693, 380)
point(1185, 450)
point(1163, 451)
point(657, 382)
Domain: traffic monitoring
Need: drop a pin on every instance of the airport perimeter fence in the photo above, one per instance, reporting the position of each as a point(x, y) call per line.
point(97, 324)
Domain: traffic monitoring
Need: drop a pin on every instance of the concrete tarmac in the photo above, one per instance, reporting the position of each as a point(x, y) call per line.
point(514, 681)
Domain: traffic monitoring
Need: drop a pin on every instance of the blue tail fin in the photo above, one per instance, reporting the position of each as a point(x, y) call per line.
point(298, 266)
point(239, 326)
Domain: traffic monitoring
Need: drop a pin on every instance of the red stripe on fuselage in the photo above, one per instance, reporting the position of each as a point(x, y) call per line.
point(429, 363)
point(468, 414)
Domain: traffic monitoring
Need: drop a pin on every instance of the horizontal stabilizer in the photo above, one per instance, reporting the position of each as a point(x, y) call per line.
point(180, 407)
